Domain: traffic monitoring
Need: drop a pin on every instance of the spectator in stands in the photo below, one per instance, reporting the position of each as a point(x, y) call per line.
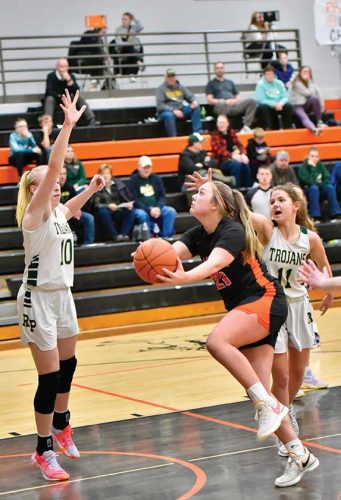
point(46, 136)
point(194, 158)
point(81, 219)
point(283, 69)
point(315, 180)
point(170, 97)
point(149, 195)
point(229, 153)
point(305, 97)
point(336, 177)
point(223, 95)
point(274, 109)
point(258, 151)
point(114, 206)
point(128, 46)
point(259, 197)
point(56, 83)
point(75, 170)
point(282, 172)
point(23, 147)
point(260, 39)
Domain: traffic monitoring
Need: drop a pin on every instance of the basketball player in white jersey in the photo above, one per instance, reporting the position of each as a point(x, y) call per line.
point(46, 311)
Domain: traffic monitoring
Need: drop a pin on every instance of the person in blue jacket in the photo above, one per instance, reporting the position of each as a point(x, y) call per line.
point(23, 147)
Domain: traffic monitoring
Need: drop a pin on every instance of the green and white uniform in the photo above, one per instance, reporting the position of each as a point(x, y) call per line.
point(283, 259)
point(46, 309)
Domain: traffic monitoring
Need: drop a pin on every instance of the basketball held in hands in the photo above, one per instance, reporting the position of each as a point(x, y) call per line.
point(152, 256)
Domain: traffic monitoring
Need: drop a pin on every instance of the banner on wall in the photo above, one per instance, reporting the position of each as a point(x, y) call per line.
point(327, 15)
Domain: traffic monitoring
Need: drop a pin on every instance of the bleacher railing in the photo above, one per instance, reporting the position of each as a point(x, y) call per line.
point(25, 61)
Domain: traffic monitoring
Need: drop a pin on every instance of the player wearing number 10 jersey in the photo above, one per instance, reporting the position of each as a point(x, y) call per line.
point(46, 311)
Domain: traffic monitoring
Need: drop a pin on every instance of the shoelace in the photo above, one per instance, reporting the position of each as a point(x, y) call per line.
point(67, 436)
point(262, 412)
point(52, 462)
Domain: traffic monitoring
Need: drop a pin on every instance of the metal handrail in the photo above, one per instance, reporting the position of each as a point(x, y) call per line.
point(228, 46)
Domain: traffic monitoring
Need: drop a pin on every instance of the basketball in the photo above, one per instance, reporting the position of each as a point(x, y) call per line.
point(151, 256)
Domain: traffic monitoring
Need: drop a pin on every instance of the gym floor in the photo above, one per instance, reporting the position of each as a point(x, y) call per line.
point(156, 417)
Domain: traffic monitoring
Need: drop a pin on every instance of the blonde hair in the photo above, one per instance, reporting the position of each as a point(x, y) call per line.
point(104, 167)
point(295, 193)
point(232, 205)
point(258, 132)
point(29, 178)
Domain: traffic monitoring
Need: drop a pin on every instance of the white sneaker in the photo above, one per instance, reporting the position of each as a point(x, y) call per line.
point(269, 417)
point(282, 451)
point(312, 382)
point(296, 468)
point(245, 130)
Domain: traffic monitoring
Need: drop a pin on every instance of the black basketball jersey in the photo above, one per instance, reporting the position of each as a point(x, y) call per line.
point(238, 283)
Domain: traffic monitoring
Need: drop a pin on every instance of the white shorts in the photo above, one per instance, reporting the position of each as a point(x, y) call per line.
point(45, 316)
point(299, 329)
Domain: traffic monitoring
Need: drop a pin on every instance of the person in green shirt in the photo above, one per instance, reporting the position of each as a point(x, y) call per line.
point(75, 170)
point(315, 180)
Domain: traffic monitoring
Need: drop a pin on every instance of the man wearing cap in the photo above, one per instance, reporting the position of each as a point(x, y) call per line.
point(194, 158)
point(224, 96)
point(281, 171)
point(175, 101)
point(149, 194)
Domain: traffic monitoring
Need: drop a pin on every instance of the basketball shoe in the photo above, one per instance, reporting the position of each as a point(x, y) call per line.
point(312, 382)
point(64, 442)
point(296, 468)
point(50, 468)
point(269, 417)
point(282, 451)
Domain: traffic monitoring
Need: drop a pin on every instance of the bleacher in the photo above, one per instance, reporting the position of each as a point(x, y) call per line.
point(107, 291)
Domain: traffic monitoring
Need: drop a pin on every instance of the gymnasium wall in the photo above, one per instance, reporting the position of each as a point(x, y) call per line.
point(67, 17)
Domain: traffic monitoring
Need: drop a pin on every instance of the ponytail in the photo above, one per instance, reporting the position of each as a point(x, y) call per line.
point(233, 205)
point(24, 197)
point(29, 178)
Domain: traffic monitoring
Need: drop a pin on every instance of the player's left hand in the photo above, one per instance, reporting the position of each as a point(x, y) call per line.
point(97, 183)
point(173, 278)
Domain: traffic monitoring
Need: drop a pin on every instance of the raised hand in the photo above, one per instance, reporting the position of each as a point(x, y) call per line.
point(71, 113)
point(196, 180)
point(97, 183)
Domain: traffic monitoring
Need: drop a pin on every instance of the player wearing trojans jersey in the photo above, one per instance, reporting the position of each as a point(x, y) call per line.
point(243, 341)
point(46, 311)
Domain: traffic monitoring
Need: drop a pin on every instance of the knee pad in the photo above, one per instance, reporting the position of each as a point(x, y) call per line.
point(67, 369)
point(46, 393)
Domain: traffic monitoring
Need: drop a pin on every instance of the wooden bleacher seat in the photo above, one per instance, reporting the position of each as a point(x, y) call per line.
point(123, 155)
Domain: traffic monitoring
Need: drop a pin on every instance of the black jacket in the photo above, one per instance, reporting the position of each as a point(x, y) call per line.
point(103, 198)
point(56, 87)
point(187, 162)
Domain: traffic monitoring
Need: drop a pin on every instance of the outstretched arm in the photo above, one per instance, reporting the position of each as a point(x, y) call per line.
point(40, 205)
point(72, 206)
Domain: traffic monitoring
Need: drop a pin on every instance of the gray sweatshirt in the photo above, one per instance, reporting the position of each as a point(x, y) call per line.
point(170, 98)
point(299, 93)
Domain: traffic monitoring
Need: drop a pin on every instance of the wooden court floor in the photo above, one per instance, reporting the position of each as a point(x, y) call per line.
point(156, 417)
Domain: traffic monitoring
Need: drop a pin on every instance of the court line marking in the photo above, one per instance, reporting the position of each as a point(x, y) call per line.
point(226, 423)
point(200, 476)
point(110, 474)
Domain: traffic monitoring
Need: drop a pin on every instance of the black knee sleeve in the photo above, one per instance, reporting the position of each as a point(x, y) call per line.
point(67, 369)
point(45, 396)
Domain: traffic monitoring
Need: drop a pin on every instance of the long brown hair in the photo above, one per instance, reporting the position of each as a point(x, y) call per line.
point(261, 26)
point(296, 194)
point(29, 178)
point(232, 205)
point(298, 77)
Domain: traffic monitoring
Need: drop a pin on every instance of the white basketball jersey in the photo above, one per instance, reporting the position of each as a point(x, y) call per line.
point(283, 259)
point(49, 253)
